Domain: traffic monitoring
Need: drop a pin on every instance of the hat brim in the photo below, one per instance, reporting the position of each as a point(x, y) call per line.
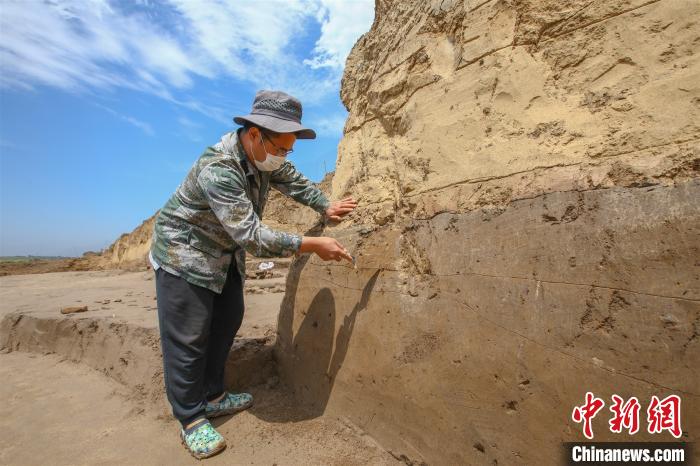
point(278, 125)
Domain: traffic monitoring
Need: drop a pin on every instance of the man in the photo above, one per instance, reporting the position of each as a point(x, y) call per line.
point(200, 240)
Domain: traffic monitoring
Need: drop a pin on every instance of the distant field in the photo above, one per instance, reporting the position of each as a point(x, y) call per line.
point(18, 265)
point(31, 258)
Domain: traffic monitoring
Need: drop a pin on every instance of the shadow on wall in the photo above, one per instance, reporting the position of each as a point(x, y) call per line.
point(316, 343)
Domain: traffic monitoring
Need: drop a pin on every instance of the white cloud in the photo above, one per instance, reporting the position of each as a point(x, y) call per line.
point(252, 41)
point(163, 48)
point(74, 45)
point(342, 23)
point(142, 125)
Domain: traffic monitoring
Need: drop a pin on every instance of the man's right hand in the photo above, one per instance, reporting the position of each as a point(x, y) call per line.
point(325, 247)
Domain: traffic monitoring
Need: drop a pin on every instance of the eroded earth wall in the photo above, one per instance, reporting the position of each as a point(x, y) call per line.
point(527, 231)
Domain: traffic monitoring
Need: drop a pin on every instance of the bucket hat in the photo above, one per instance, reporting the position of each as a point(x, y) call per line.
point(278, 112)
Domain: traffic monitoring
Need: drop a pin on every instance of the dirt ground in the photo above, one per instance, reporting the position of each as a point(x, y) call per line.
point(120, 296)
point(57, 411)
point(82, 417)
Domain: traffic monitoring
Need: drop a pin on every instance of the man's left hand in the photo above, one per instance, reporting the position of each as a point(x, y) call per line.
point(339, 209)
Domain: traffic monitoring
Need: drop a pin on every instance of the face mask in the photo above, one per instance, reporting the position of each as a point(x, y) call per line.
point(272, 162)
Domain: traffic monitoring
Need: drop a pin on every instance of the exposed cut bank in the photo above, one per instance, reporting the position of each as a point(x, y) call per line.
point(528, 228)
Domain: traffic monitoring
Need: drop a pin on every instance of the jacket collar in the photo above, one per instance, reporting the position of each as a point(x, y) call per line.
point(233, 141)
point(230, 144)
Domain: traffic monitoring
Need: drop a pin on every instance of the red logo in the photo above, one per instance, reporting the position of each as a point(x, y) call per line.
point(586, 412)
point(661, 415)
point(624, 415)
point(665, 415)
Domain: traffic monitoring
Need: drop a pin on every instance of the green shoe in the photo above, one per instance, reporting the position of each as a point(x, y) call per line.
point(229, 404)
point(202, 440)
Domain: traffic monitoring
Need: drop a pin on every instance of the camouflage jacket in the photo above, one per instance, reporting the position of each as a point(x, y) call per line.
point(214, 215)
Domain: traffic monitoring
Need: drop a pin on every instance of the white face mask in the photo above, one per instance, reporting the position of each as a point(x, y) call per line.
point(272, 162)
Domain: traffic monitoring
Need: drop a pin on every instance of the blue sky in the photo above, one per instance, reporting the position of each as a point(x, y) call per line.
point(105, 105)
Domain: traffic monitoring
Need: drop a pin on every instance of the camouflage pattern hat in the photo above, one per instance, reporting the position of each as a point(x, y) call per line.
point(278, 112)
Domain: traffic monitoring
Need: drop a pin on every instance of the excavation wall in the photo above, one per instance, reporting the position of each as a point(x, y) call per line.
point(527, 231)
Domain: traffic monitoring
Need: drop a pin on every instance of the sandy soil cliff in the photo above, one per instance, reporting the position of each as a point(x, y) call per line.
point(130, 250)
point(528, 228)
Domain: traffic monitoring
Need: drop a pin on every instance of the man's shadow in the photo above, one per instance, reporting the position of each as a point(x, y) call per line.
point(314, 358)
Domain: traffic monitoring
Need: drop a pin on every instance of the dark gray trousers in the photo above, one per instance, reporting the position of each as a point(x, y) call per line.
point(197, 327)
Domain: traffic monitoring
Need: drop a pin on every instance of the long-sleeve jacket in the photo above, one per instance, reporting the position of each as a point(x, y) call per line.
point(214, 215)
